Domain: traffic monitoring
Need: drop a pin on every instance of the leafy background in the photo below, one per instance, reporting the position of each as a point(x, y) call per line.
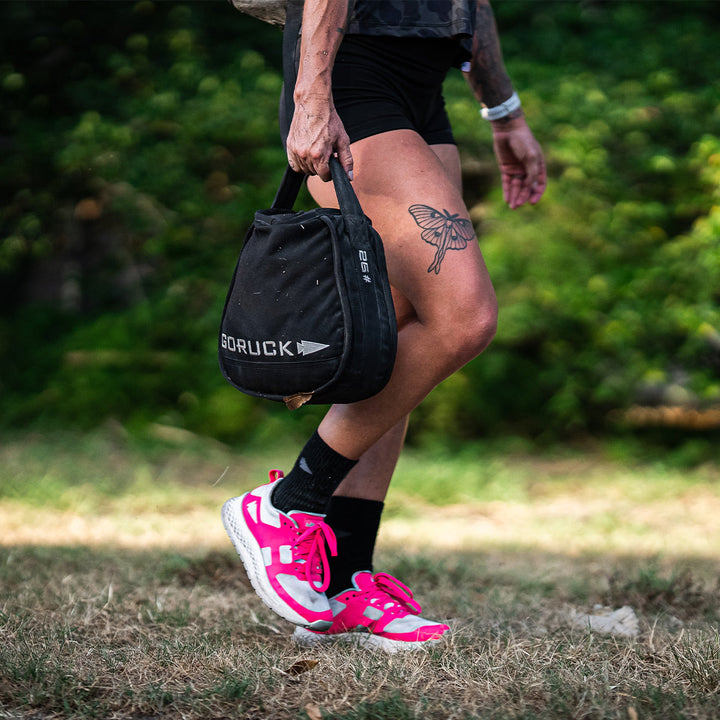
point(138, 138)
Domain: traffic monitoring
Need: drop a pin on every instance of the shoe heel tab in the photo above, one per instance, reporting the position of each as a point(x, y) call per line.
point(276, 475)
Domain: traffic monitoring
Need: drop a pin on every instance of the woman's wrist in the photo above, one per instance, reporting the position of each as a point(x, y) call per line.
point(512, 121)
point(502, 110)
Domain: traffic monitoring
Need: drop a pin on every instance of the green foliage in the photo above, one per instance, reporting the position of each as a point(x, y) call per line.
point(138, 149)
point(131, 186)
point(608, 288)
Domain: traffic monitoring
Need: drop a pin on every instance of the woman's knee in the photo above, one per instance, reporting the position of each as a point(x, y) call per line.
point(468, 333)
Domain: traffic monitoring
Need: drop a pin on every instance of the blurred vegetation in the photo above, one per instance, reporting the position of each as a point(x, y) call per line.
point(138, 138)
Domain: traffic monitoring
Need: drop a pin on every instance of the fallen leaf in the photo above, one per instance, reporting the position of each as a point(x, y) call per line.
point(301, 666)
point(313, 711)
point(632, 713)
point(293, 402)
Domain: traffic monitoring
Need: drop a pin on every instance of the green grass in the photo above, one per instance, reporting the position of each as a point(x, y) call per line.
point(123, 599)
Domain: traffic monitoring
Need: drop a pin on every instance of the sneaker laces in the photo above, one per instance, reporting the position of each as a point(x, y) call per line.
point(312, 546)
point(398, 593)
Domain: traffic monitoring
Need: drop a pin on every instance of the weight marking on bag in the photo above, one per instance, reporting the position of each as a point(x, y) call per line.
point(364, 266)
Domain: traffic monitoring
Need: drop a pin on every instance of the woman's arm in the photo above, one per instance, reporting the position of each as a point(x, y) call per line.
point(519, 156)
point(488, 77)
point(316, 131)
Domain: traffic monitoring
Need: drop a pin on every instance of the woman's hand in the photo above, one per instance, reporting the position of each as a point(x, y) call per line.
point(316, 132)
point(521, 162)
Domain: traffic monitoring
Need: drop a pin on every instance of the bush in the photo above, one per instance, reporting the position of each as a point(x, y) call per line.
point(138, 150)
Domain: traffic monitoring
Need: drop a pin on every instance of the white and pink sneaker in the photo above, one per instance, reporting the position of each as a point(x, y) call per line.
point(379, 612)
point(285, 555)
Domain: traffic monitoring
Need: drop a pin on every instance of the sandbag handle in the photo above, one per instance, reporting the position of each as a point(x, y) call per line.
point(289, 188)
point(292, 182)
point(346, 197)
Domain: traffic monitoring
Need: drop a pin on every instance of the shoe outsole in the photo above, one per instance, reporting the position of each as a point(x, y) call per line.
point(250, 553)
point(307, 638)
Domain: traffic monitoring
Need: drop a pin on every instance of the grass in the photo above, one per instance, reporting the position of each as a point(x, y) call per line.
point(120, 597)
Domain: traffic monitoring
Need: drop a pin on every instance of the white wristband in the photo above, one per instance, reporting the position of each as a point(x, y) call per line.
point(501, 110)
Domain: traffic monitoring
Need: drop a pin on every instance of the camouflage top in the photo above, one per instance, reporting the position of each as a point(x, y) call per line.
point(413, 18)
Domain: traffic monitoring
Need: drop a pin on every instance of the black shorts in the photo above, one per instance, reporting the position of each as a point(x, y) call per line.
point(387, 83)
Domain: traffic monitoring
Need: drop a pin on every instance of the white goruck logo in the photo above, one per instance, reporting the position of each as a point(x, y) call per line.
point(270, 348)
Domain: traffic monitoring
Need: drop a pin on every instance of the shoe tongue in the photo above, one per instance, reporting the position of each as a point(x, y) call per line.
point(307, 518)
point(363, 579)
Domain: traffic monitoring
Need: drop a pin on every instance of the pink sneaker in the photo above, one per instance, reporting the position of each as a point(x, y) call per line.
point(284, 554)
point(379, 612)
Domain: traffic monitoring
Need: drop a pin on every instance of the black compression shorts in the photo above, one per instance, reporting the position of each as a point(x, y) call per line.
point(389, 83)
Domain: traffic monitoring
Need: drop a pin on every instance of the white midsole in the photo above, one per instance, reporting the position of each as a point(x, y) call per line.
point(361, 639)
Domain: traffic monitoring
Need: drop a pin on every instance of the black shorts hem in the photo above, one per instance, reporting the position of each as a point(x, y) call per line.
point(359, 131)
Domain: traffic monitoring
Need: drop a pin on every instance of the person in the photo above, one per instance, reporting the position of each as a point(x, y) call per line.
point(369, 90)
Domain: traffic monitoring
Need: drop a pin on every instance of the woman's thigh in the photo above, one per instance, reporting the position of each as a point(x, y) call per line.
point(411, 192)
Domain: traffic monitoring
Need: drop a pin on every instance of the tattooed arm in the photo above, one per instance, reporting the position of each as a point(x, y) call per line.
point(316, 130)
point(487, 76)
point(519, 156)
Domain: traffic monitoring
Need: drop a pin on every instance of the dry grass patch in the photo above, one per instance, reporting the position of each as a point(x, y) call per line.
point(121, 598)
point(119, 634)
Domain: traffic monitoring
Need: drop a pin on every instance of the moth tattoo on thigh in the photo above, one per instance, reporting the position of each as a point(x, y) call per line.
point(445, 231)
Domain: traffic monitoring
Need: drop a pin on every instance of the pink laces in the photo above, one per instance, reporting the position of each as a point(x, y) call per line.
point(312, 544)
point(397, 591)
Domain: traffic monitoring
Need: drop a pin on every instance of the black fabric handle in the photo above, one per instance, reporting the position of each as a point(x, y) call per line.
point(347, 199)
point(290, 62)
point(292, 181)
point(289, 188)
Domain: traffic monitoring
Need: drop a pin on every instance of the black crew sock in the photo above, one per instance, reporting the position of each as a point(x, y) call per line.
point(314, 478)
point(355, 522)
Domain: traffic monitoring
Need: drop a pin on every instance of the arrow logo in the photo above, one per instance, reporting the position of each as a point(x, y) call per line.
point(307, 347)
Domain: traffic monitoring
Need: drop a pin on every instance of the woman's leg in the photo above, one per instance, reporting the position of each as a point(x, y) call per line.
point(435, 264)
point(427, 315)
point(371, 477)
point(454, 307)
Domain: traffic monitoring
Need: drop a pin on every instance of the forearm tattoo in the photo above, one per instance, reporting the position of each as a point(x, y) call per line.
point(488, 71)
point(445, 231)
